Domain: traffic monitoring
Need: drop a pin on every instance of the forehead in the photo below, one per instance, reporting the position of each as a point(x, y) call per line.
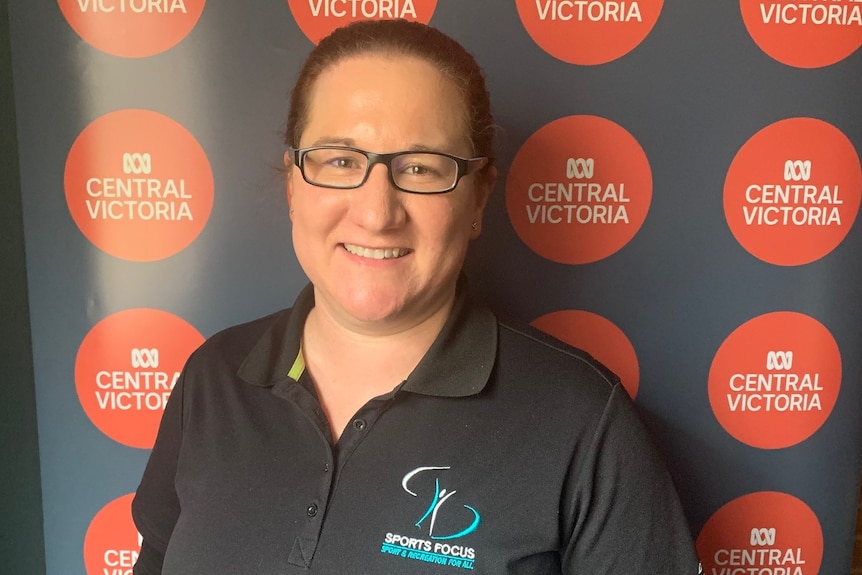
point(392, 97)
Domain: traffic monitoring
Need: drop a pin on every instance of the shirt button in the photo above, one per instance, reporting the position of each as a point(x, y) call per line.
point(358, 424)
point(311, 510)
point(326, 468)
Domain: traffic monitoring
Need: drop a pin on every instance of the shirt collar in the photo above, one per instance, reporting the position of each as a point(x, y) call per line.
point(458, 363)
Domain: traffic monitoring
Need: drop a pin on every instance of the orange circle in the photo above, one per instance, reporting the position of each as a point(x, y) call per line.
point(138, 185)
point(132, 28)
point(125, 369)
point(804, 34)
point(318, 18)
point(588, 32)
point(112, 543)
point(600, 338)
point(793, 191)
point(775, 379)
point(579, 189)
point(764, 532)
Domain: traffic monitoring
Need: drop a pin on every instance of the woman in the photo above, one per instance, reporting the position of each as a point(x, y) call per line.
point(387, 423)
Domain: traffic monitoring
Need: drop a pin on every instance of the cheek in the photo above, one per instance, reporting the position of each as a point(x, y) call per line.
point(302, 214)
point(451, 228)
point(303, 197)
point(316, 212)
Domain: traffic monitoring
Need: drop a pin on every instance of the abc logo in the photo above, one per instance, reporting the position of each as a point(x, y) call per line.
point(137, 163)
point(796, 170)
point(145, 358)
point(580, 168)
point(762, 536)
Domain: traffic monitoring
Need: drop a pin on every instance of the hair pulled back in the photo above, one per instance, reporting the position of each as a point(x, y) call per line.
point(399, 38)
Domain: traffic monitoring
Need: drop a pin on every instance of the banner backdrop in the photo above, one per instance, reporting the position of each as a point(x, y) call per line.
point(680, 184)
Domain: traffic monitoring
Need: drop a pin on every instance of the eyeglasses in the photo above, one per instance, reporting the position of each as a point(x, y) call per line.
point(415, 172)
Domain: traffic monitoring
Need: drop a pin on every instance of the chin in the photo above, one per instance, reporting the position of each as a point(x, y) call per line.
point(380, 318)
point(375, 307)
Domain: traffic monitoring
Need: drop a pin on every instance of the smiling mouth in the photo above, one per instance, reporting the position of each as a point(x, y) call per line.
point(377, 253)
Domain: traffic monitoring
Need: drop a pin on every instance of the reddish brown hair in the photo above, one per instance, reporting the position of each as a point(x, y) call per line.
point(403, 38)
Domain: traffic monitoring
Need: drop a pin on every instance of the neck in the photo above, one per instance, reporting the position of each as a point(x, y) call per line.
point(349, 366)
point(328, 343)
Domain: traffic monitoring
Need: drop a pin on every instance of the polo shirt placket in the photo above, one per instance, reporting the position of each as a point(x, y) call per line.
point(299, 390)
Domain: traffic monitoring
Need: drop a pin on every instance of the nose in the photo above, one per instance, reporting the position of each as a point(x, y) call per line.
point(377, 204)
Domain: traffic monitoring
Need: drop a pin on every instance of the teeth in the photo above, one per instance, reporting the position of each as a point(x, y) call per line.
point(376, 254)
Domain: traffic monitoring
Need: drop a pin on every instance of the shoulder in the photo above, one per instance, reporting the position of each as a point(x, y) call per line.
point(531, 353)
point(559, 392)
point(226, 351)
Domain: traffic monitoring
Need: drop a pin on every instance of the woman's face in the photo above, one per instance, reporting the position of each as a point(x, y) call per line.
point(384, 104)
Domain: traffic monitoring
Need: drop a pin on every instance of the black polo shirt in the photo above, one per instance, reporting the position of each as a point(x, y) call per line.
point(504, 452)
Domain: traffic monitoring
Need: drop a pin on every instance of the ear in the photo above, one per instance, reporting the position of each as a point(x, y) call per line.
point(288, 172)
point(483, 192)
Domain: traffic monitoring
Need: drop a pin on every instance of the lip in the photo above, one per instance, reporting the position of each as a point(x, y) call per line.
point(378, 254)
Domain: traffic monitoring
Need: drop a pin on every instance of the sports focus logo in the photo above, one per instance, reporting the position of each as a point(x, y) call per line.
point(132, 28)
point(138, 185)
point(318, 18)
point(765, 532)
point(775, 379)
point(804, 33)
point(579, 189)
point(443, 521)
point(793, 191)
point(126, 368)
point(598, 337)
point(112, 544)
point(588, 32)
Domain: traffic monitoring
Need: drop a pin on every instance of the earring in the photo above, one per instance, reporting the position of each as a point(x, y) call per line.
point(475, 226)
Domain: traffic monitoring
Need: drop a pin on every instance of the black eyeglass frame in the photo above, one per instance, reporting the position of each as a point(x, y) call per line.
point(465, 166)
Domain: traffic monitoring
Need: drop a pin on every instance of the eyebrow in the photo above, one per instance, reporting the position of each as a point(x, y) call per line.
point(351, 143)
point(331, 140)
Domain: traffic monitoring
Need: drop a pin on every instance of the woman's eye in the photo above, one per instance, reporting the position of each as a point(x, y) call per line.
point(345, 163)
point(420, 170)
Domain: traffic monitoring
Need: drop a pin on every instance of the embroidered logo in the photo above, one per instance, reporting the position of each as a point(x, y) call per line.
point(443, 521)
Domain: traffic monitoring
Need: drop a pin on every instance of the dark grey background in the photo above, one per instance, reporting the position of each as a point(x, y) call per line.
point(22, 548)
point(691, 94)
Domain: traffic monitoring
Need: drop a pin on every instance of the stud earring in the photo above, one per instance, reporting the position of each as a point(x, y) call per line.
point(475, 226)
